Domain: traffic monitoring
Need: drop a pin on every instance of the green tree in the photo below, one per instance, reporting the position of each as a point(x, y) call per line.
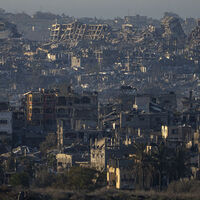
point(49, 143)
point(81, 178)
point(51, 161)
point(11, 164)
point(27, 164)
point(20, 179)
point(141, 164)
point(160, 166)
point(44, 178)
point(1, 174)
point(101, 180)
point(181, 163)
point(61, 181)
point(161, 163)
point(169, 164)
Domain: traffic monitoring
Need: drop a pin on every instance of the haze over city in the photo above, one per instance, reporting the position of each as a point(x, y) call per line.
point(105, 8)
point(99, 99)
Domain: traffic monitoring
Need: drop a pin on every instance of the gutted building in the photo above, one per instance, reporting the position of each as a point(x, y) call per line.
point(5, 121)
point(77, 111)
point(78, 31)
point(120, 174)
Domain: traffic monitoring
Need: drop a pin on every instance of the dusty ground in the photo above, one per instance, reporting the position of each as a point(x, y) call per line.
point(102, 194)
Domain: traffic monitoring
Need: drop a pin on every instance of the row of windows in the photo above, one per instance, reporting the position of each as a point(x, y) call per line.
point(37, 110)
point(49, 110)
point(60, 110)
point(130, 117)
point(3, 133)
point(63, 100)
point(41, 99)
point(3, 121)
point(46, 122)
point(174, 131)
point(97, 155)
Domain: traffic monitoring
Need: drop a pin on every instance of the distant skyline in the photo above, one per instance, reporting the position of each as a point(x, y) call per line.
point(105, 8)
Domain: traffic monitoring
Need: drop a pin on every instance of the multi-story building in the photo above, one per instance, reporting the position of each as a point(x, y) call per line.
point(102, 150)
point(5, 121)
point(77, 31)
point(120, 174)
point(77, 111)
point(40, 108)
point(178, 134)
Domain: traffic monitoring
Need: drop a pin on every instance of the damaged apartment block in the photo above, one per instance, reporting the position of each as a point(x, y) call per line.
point(77, 31)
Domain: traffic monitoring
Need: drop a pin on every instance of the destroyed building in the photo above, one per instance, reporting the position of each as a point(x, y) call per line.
point(120, 174)
point(76, 31)
point(8, 30)
point(77, 111)
point(40, 108)
point(102, 150)
point(134, 64)
point(6, 129)
point(173, 32)
point(194, 40)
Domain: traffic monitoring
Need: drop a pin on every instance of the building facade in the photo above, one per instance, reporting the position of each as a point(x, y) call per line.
point(5, 125)
point(120, 174)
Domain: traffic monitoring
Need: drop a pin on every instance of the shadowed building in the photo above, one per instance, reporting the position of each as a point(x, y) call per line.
point(5, 121)
point(77, 111)
point(120, 174)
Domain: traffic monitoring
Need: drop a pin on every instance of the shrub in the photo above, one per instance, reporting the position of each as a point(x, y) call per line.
point(61, 181)
point(44, 178)
point(20, 179)
point(184, 186)
point(81, 178)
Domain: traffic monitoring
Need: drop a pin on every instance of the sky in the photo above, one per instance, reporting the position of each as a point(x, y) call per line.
point(105, 8)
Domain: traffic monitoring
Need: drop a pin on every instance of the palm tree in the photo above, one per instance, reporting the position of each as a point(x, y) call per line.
point(1, 174)
point(161, 166)
point(181, 163)
point(142, 163)
point(161, 163)
point(171, 164)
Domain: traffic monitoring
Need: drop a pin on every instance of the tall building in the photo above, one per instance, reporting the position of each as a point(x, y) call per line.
point(40, 108)
point(78, 31)
point(77, 111)
point(5, 121)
